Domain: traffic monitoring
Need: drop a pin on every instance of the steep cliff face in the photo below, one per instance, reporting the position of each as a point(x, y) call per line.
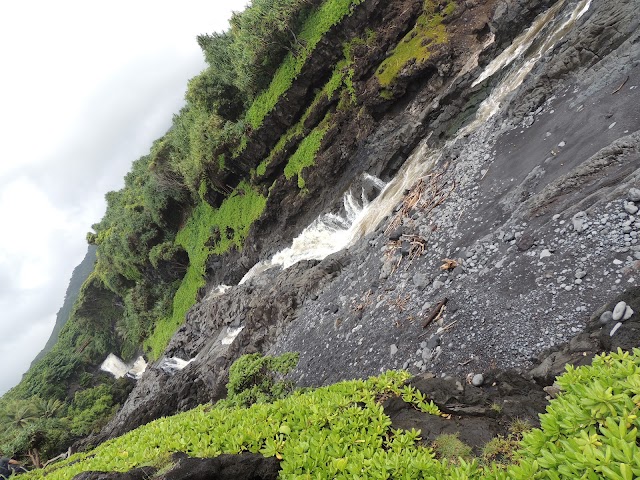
point(510, 152)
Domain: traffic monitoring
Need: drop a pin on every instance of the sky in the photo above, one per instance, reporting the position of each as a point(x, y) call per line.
point(85, 88)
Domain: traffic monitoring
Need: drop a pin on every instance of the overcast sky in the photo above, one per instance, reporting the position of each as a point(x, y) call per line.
point(85, 87)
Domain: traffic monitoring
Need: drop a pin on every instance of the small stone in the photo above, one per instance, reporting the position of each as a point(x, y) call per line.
point(545, 254)
point(396, 234)
point(634, 195)
point(615, 329)
point(605, 318)
point(617, 262)
point(437, 284)
point(562, 144)
point(477, 380)
point(556, 216)
point(426, 355)
point(433, 342)
point(630, 208)
point(580, 274)
point(612, 125)
point(525, 242)
point(394, 349)
point(420, 280)
point(579, 221)
point(509, 236)
point(628, 313)
point(619, 311)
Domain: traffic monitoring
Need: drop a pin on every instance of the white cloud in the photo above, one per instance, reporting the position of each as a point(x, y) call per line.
point(86, 87)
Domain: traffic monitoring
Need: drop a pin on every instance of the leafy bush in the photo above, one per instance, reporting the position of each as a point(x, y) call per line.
point(256, 378)
point(341, 431)
point(591, 429)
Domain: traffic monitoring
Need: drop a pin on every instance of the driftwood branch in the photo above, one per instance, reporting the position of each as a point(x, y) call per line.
point(435, 312)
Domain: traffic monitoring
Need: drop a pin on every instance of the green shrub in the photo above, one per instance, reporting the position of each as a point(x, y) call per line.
point(591, 429)
point(258, 379)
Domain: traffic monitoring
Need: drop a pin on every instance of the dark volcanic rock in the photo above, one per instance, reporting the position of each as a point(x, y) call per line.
point(249, 466)
point(476, 414)
point(143, 473)
point(263, 307)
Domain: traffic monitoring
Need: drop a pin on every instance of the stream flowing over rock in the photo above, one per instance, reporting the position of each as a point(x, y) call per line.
point(503, 228)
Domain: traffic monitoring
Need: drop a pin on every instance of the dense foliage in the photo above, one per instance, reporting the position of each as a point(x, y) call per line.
point(341, 431)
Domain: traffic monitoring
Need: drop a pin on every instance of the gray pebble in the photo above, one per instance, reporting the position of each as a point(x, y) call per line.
point(634, 195)
point(619, 310)
point(605, 318)
point(394, 349)
point(420, 280)
point(579, 221)
point(509, 236)
point(630, 208)
point(477, 380)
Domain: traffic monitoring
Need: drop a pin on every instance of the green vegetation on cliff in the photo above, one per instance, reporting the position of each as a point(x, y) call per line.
point(208, 231)
point(330, 13)
point(417, 45)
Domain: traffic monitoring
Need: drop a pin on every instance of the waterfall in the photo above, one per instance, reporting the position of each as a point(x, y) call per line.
point(327, 234)
point(116, 367)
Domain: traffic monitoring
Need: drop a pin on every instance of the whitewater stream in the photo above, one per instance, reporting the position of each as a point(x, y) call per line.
point(331, 233)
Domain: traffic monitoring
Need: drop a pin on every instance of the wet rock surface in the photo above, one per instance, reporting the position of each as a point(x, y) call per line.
point(507, 254)
point(142, 473)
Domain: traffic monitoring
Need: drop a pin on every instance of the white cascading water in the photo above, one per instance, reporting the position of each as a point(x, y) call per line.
point(231, 334)
point(521, 45)
point(116, 367)
point(331, 233)
point(173, 364)
point(328, 234)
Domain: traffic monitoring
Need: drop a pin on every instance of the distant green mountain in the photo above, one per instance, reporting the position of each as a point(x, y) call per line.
point(78, 277)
